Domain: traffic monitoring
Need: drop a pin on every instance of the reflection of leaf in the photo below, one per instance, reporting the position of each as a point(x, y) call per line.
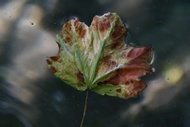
point(97, 58)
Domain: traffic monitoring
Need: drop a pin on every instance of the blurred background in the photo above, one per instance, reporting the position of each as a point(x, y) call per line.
point(31, 96)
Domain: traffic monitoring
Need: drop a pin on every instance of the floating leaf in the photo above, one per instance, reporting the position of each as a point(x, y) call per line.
point(98, 59)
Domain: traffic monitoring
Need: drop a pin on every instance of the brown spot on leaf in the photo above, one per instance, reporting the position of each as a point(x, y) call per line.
point(107, 24)
point(80, 28)
point(104, 25)
point(67, 39)
point(55, 58)
point(108, 62)
point(128, 82)
point(101, 27)
point(67, 32)
point(80, 77)
point(113, 63)
point(116, 44)
point(68, 25)
point(76, 22)
point(119, 32)
point(53, 69)
point(118, 90)
point(48, 61)
point(82, 33)
point(136, 88)
point(106, 59)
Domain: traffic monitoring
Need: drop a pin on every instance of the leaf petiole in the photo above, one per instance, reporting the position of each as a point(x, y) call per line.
point(85, 108)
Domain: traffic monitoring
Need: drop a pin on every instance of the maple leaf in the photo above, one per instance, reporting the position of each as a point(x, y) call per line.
point(97, 58)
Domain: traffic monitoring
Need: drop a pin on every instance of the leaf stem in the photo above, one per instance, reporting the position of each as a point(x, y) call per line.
point(85, 107)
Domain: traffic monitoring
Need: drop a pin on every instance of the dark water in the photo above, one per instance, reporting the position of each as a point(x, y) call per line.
point(31, 96)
